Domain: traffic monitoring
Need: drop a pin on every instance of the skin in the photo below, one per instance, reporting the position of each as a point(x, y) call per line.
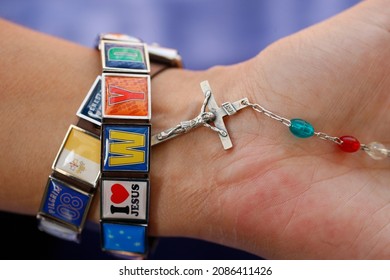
point(273, 194)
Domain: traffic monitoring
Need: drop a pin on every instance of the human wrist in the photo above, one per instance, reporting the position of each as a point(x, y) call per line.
point(177, 96)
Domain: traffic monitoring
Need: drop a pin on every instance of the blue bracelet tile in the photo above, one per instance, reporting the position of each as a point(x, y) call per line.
point(91, 108)
point(64, 203)
point(124, 238)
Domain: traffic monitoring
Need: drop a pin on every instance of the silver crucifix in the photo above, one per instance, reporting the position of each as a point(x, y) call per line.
point(215, 115)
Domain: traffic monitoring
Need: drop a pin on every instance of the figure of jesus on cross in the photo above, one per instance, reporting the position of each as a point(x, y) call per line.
point(215, 115)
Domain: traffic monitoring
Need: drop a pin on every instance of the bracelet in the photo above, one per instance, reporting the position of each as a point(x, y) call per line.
point(73, 181)
point(298, 127)
point(77, 167)
point(125, 143)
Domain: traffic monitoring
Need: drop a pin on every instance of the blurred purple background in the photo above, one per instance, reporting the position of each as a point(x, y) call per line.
point(205, 32)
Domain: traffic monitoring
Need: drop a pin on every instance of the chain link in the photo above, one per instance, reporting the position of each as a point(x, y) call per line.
point(364, 147)
point(327, 137)
point(260, 109)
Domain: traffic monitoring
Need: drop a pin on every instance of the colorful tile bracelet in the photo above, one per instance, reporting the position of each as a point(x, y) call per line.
point(74, 178)
point(121, 116)
point(126, 145)
point(125, 134)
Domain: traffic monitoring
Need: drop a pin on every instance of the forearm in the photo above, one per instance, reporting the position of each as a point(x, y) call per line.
point(43, 81)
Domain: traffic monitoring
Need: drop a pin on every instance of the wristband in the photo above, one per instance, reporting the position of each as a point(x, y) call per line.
point(125, 135)
point(73, 181)
point(126, 145)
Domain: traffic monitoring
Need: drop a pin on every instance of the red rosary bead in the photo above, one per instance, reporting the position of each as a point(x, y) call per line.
point(349, 144)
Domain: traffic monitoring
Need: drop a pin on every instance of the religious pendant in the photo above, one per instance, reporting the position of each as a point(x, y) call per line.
point(206, 118)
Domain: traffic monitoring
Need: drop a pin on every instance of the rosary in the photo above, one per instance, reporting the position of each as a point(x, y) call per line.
point(298, 127)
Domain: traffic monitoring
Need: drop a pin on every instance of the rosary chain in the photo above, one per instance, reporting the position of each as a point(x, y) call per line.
point(260, 109)
point(365, 148)
point(287, 122)
point(327, 137)
point(374, 150)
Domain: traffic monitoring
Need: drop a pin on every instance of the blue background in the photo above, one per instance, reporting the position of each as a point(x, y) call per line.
point(206, 33)
point(116, 241)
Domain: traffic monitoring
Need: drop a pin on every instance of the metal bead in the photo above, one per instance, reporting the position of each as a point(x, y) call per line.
point(377, 151)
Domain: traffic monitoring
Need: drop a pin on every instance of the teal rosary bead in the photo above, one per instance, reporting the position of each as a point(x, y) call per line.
point(301, 128)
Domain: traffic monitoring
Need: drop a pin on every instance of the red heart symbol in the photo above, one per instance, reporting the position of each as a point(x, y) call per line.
point(119, 193)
